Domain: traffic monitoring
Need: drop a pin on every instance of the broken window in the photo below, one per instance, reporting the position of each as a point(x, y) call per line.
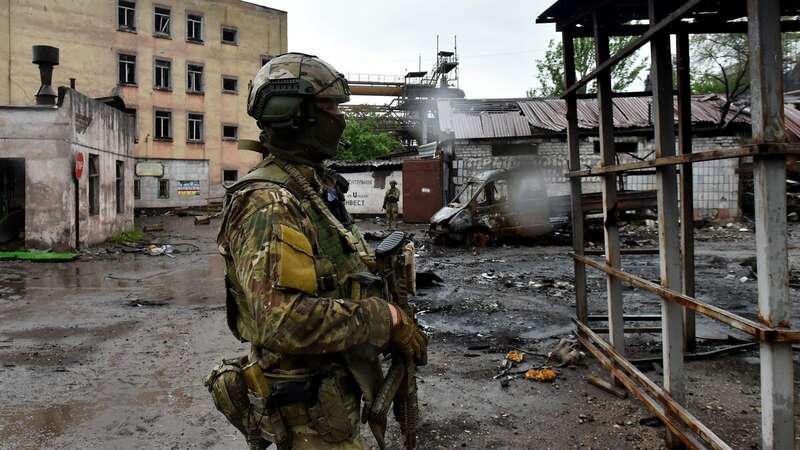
point(194, 81)
point(229, 176)
point(132, 112)
point(163, 78)
point(194, 132)
point(126, 15)
point(230, 132)
point(163, 188)
point(514, 149)
point(230, 35)
point(163, 126)
point(120, 187)
point(94, 185)
point(137, 189)
point(619, 147)
point(162, 21)
point(127, 69)
point(194, 27)
point(230, 85)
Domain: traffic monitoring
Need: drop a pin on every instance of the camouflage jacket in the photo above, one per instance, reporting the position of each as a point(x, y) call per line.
point(392, 196)
point(278, 251)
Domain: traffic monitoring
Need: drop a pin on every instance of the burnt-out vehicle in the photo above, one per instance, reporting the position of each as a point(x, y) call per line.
point(515, 203)
point(496, 204)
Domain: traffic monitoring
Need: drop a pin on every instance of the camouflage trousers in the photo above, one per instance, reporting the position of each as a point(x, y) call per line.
point(392, 211)
point(306, 438)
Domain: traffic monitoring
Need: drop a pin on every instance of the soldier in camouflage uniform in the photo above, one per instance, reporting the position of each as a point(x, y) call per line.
point(300, 287)
point(390, 204)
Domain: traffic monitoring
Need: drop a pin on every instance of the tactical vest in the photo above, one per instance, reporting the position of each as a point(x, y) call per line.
point(341, 255)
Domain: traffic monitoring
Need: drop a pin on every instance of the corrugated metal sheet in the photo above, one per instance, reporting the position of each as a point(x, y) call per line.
point(629, 112)
point(476, 118)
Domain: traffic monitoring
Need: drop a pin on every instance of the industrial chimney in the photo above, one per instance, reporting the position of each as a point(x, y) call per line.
point(45, 57)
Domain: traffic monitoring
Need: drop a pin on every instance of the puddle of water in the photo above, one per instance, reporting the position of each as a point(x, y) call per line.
point(33, 428)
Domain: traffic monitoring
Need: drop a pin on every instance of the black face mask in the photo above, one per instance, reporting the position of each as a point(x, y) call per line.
point(326, 131)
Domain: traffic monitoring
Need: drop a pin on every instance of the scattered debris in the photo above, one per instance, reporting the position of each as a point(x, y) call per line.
point(652, 421)
point(546, 374)
point(428, 279)
point(515, 356)
point(606, 386)
point(202, 220)
point(566, 353)
point(153, 228)
point(158, 250)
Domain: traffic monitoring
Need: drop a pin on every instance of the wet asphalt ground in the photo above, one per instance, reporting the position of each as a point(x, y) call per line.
point(111, 351)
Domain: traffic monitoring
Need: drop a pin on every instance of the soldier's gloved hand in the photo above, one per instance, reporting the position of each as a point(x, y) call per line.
point(407, 338)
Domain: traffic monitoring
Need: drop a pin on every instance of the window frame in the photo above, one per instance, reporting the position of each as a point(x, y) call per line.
point(119, 186)
point(137, 188)
point(235, 40)
point(156, 14)
point(224, 171)
point(169, 137)
point(190, 130)
point(93, 171)
point(189, 72)
point(120, 55)
point(120, 26)
point(192, 39)
point(228, 91)
point(163, 193)
point(235, 126)
point(156, 60)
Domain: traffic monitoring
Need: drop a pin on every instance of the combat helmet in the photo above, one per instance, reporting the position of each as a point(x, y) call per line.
point(278, 92)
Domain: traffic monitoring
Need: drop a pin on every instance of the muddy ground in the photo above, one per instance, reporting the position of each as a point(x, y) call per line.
point(110, 351)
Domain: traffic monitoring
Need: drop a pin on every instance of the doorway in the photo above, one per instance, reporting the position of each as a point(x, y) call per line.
point(12, 202)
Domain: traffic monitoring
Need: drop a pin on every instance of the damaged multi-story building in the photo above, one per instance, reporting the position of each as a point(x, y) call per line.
point(181, 67)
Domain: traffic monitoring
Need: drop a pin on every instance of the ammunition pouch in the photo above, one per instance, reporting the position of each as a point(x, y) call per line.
point(328, 401)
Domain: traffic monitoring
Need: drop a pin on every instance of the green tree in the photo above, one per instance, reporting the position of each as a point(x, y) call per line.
point(550, 69)
point(365, 142)
point(720, 64)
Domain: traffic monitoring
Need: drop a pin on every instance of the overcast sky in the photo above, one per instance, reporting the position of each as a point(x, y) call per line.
point(498, 40)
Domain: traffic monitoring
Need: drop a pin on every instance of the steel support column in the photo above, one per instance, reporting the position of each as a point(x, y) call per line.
point(616, 322)
point(766, 87)
point(581, 307)
point(687, 191)
point(668, 225)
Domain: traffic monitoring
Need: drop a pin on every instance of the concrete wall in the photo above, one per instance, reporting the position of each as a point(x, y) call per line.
point(188, 184)
point(367, 190)
point(48, 138)
point(87, 35)
point(716, 182)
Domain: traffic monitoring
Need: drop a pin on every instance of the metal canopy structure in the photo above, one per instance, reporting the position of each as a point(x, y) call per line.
point(654, 21)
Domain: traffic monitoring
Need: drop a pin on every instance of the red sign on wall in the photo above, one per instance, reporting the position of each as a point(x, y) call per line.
point(78, 165)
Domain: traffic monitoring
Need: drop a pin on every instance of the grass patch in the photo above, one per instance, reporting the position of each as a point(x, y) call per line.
point(25, 255)
point(128, 236)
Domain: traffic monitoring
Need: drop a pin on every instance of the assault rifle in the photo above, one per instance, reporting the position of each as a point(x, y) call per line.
point(395, 261)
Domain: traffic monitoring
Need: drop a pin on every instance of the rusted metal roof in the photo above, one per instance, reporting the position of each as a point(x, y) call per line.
point(629, 112)
point(496, 118)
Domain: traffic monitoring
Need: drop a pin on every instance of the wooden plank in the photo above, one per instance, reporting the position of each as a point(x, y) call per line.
point(616, 323)
point(605, 66)
point(687, 191)
point(576, 204)
point(766, 90)
point(668, 226)
point(708, 155)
